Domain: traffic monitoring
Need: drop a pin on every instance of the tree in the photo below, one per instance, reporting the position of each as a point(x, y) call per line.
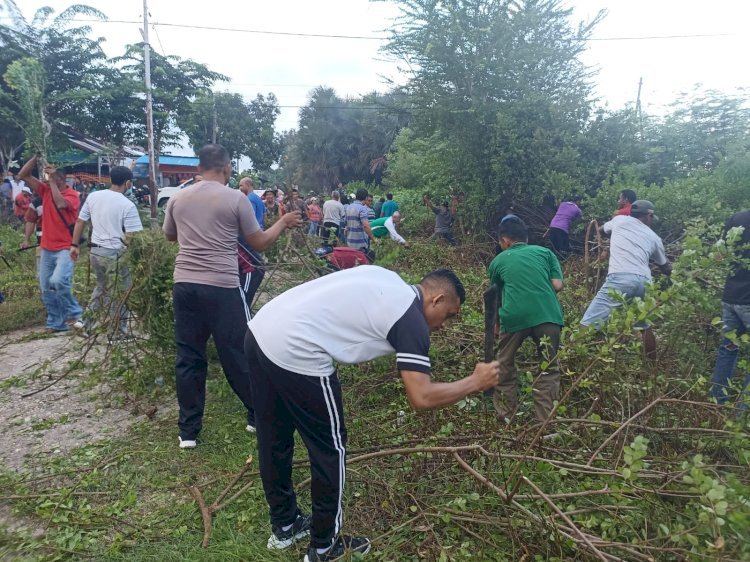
point(264, 146)
point(243, 129)
point(608, 143)
point(26, 78)
point(71, 60)
point(176, 83)
point(12, 137)
point(344, 140)
point(695, 136)
point(502, 80)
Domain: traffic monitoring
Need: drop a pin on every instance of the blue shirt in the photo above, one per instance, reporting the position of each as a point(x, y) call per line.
point(258, 206)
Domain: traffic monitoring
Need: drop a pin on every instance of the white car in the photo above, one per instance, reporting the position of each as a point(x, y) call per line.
point(166, 192)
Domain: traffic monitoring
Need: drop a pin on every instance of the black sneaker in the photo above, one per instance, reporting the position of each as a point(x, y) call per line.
point(280, 540)
point(343, 544)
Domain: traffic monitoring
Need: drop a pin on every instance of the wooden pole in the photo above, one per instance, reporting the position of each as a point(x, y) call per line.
point(149, 118)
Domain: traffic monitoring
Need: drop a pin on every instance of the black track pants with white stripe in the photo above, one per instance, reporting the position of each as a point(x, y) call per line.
point(285, 401)
point(201, 311)
point(250, 282)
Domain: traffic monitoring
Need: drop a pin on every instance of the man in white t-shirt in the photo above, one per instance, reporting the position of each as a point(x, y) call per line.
point(633, 245)
point(113, 216)
point(333, 215)
point(293, 346)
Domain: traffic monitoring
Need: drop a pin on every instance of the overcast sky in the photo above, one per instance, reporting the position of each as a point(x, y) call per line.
point(290, 66)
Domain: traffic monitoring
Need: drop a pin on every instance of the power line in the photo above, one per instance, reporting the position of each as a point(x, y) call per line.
point(374, 37)
point(237, 30)
point(163, 52)
point(650, 37)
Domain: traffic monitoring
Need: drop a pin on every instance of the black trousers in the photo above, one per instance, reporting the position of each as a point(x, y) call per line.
point(560, 242)
point(285, 401)
point(327, 229)
point(201, 311)
point(249, 282)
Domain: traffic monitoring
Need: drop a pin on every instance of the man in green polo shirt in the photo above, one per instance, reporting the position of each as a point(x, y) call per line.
point(386, 226)
point(528, 278)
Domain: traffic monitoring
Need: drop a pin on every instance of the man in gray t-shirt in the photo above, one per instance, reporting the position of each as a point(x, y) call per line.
point(633, 245)
point(444, 217)
point(206, 219)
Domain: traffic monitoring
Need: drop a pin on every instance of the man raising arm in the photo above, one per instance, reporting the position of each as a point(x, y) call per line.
point(60, 205)
point(206, 219)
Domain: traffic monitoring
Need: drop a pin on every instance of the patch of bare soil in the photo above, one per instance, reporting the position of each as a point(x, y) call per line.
point(60, 418)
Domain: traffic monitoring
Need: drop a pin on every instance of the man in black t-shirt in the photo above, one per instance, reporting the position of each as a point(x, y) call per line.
point(347, 317)
point(735, 316)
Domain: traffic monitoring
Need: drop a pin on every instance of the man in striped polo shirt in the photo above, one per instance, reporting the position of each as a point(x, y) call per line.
point(294, 341)
point(358, 231)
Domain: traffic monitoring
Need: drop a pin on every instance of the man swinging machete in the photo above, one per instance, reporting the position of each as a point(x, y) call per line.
point(528, 278)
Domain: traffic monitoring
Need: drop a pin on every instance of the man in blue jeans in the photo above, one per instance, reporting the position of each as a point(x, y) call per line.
point(60, 204)
point(632, 247)
point(735, 316)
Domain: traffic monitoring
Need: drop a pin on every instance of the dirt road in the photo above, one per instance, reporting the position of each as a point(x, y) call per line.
point(64, 416)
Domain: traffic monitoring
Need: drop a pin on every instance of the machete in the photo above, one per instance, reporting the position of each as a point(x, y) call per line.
point(490, 315)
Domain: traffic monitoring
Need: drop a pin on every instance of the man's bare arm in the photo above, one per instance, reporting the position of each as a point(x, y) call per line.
point(262, 239)
point(368, 230)
point(57, 197)
point(25, 173)
point(423, 394)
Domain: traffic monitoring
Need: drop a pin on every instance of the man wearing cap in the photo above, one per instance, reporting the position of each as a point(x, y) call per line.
point(633, 244)
point(22, 201)
point(314, 214)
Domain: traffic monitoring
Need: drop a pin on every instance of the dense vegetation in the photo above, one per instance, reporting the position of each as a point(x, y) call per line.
point(636, 465)
point(639, 462)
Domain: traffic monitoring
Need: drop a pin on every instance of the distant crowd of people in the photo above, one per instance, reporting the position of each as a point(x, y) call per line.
point(281, 362)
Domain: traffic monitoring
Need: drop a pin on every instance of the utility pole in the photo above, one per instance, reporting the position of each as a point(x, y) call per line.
point(149, 118)
point(215, 126)
point(638, 111)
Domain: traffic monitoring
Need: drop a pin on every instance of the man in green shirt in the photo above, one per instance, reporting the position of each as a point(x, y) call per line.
point(528, 278)
point(386, 226)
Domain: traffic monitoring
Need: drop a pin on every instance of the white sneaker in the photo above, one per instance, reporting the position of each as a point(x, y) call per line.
point(187, 443)
point(77, 324)
point(250, 428)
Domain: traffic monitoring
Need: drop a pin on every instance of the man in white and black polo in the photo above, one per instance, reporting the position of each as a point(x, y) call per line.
point(292, 345)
